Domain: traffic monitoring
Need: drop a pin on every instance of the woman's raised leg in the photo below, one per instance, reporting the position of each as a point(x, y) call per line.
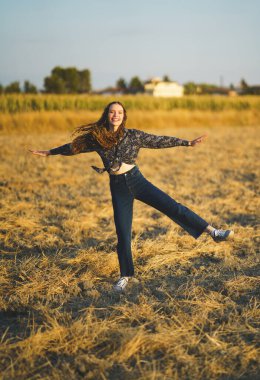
point(182, 215)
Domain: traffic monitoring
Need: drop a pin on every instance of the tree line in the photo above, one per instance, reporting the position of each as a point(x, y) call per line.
point(135, 85)
point(70, 80)
point(15, 88)
point(61, 81)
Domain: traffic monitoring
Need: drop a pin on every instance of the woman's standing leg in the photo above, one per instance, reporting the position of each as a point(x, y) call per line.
point(122, 200)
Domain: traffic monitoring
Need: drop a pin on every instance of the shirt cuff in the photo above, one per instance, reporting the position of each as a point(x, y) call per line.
point(186, 143)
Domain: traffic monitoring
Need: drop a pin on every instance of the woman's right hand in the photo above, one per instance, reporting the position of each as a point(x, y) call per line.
point(43, 153)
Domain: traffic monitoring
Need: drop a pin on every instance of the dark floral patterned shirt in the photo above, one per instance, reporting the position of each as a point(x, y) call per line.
point(126, 150)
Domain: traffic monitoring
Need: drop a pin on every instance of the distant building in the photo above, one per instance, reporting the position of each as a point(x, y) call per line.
point(232, 93)
point(159, 88)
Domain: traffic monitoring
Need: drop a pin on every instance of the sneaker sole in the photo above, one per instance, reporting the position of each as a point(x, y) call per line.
point(116, 290)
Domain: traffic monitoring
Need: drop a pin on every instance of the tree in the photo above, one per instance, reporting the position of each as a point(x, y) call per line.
point(71, 80)
point(121, 85)
point(59, 72)
point(84, 81)
point(166, 78)
point(1, 89)
point(190, 88)
point(13, 88)
point(29, 88)
point(69, 76)
point(54, 85)
point(207, 88)
point(68, 80)
point(135, 85)
point(244, 87)
point(243, 84)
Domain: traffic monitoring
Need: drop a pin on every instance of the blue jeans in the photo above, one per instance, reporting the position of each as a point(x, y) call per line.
point(133, 185)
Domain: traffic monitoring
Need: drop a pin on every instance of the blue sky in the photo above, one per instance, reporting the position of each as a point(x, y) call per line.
point(199, 40)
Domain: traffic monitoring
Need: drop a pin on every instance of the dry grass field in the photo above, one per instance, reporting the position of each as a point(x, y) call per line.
point(191, 313)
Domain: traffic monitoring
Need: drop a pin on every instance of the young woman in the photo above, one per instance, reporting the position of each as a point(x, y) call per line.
point(118, 148)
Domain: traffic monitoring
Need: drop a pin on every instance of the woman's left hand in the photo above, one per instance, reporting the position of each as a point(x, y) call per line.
point(198, 140)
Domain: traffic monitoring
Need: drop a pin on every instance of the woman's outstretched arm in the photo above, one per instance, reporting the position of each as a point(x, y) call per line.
point(67, 149)
point(147, 140)
point(64, 150)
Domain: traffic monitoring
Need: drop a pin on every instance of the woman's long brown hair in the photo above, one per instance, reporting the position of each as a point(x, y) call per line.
point(99, 130)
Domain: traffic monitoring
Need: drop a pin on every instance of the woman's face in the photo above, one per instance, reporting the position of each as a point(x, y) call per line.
point(115, 115)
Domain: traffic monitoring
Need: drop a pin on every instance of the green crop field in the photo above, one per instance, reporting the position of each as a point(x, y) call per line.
point(40, 102)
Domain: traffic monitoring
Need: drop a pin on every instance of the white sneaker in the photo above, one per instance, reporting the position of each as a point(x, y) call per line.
point(222, 235)
point(121, 284)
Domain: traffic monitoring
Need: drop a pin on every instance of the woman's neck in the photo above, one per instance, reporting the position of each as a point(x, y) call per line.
point(113, 128)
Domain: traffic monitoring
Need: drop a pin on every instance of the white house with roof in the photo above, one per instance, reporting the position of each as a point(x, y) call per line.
point(159, 88)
